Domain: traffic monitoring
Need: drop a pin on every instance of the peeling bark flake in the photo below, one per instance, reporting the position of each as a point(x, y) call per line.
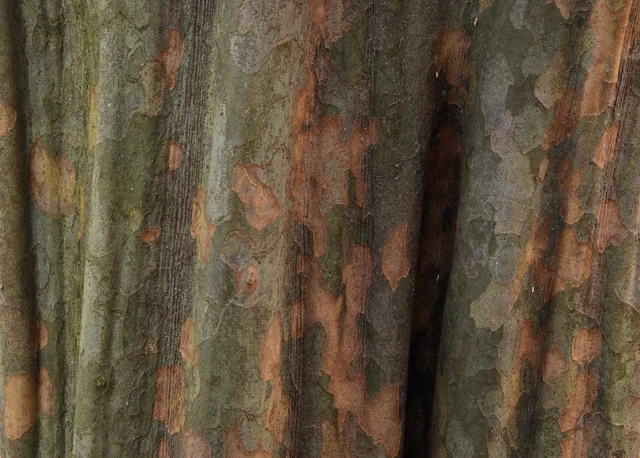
point(395, 261)
point(172, 56)
point(554, 364)
point(261, 205)
point(20, 405)
point(151, 235)
point(174, 156)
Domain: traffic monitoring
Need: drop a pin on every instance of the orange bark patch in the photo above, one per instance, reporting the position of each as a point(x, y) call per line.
point(569, 181)
point(573, 261)
point(246, 280)
point(611, 229)
point(586, 345)
point(20, 405)
point(605, 148)
point(188, 347)
point(174, 156)
point(544, 166)
point(52, 180)
point(172, 56)
point(153, 80)
point(202, 229)
point(260, 204)
point(196, 446)
point(43, 334)
point(151, 235)
point(576, 443)
point(163, 449)
point(45, 394)
point(554, 364)
point(234, 448)
point(551, 81)
point(395, 262)
point(169, 402)
point(7, 118)
point(449, 54)
point(580, 401)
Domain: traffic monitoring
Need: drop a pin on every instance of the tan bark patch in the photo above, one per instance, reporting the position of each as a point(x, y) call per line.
point(611, 229)
point(45, 395)
point(172, 56)
point(449, 54)
point(586, 345)
point(576, 443)
point(569, 181)
point(551, 81)
point(234, 448)
point(246, 280)
point(52, 180)
point(174, 156)
point(188, 347)
point(580, 401)
point(151, 235)
point(554, 364)
point(43, 334)
point(7, 118)
point(20, 405)
point(544, 166)
point(154, 82)
point(163, 449)
point(395, 261)
point(202, 229)
point(261, 205)
point(196, 446)
point(605, 149)
point(169, 402)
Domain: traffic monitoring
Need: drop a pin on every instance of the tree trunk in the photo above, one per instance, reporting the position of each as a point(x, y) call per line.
point(319, 228)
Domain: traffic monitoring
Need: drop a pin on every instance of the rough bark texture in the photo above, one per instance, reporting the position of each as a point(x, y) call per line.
point(258, 228)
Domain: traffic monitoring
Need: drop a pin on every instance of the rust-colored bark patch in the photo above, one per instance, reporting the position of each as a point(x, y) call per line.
point(163, 449)
point(7, 118)
point(151, 235)
point(246, 280)
point(196, 446)
point(154, 82)
point(580, 401)
point(172, 56)
point(611, 229)
point(169, 402)
point(574, 261)
point(20, 405)
point(605, 149)
point(174, 156)
point(188, 347)
point(45, 394)
point(52, 180)
point(202, 229)
point(261, 205)
point(395, 261)
point(449, 54)
point(552, 80)
point(554, 364)
point(576, 443)
point(586, 345)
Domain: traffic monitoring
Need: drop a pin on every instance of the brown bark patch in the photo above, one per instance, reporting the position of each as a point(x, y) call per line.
point(169, 402)
point(52, 180)
point(565, 120)
point(586, 345)
point(611, 229)
point(188, 347)
point(172, 56)
point(544, 166)
point(7, 118)
point(163, 449)
point(569, 181)
point(151, 235)
point(196, 446)
point(577, 442)
point(554, 364)
point(234, 448)
point(43, 334)
point(573, 261)
point(246, 280)
point(154, 82)
point(580, 400)
point(551, 81)
point(449, 54)
point(20, 405)
point(174, 156)
point(260, 204)
point(202, 229)
point(605, 150)
point(45, 394)
point(395, 261)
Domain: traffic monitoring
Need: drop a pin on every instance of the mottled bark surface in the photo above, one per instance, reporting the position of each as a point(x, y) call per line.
point(319, 228)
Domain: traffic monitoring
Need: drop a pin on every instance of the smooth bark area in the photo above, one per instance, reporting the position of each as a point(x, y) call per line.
point(319, 228)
